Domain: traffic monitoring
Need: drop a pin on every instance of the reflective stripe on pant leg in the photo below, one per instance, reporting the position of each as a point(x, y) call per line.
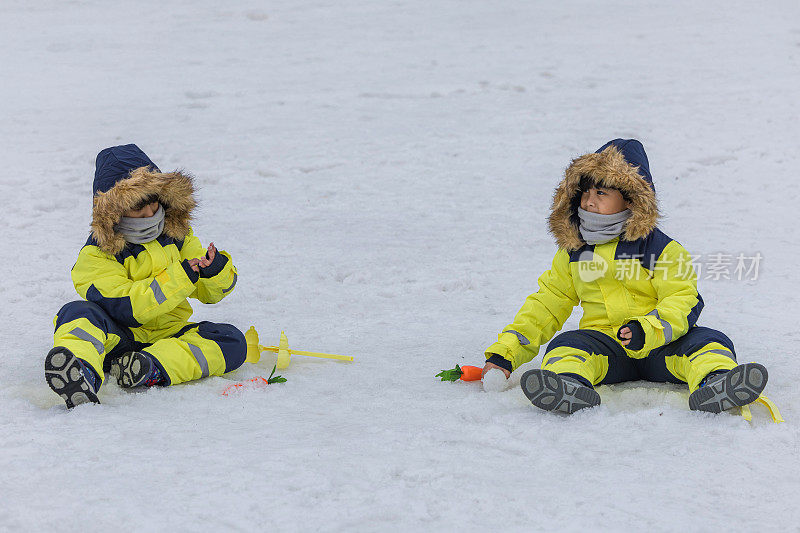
point(693, 367)
point(701, 351)
point(204, 349)
point(88, 332)
point(86, 336)
point(582, 352)
point(591, 367)
point(185, 358)
point(230, 340)
point(200, 358)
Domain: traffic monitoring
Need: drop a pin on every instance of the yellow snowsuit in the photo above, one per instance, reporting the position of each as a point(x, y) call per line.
point(643, 276)
point(136, 294)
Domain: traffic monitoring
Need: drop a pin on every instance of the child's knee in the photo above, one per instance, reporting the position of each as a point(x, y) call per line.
point(571, 339)
point(80, 309)
point(701, 336)
point(230, 340)
point(579, 352)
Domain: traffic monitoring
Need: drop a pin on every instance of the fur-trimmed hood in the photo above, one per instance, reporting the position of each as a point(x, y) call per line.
point(124, 176)
point(620, 164)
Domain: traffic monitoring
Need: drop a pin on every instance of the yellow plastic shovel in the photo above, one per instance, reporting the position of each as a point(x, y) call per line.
point(254, 350)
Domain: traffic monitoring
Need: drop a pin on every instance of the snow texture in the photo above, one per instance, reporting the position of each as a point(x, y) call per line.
point(494, 381)
point(381, 172)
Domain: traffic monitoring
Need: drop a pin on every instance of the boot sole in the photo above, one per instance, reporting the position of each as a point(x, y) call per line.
point(740, 386)
point(547, 390)
point(130, 369)
point(62, 371)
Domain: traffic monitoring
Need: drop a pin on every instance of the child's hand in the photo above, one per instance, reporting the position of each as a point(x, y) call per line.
point(195, 264)
point(631, 336)
point(625, 334)
point(205, 261)
point(489, 366)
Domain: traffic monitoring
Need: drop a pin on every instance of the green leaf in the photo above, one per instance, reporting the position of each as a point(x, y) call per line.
point(450, 375)
point(276, 379)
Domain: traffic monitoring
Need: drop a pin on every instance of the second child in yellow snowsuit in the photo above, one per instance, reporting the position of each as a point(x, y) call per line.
point(638, 292)
point(135, 273)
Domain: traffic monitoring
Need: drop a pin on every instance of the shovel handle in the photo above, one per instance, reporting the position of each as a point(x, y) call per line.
point(308, 354)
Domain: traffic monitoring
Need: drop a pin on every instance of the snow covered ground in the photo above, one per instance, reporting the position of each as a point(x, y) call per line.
point(381, 173)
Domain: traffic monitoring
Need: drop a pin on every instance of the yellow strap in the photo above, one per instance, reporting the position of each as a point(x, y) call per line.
point(746, 413)
point(773, 409)
point(769, 404)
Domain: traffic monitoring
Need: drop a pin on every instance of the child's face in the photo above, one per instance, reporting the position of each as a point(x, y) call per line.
point(147, 211)
point(603, 201)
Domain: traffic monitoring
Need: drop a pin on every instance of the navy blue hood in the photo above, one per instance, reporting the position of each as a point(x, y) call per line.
point(125, 176)
point(633, 152)
point(116, 163)
point(620, 164)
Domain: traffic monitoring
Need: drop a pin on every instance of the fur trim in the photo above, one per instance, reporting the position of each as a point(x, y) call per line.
point(175, 191)
point(610, 169)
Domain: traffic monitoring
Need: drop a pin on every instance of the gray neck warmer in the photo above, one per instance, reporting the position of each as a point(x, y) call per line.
point(597, 229)
point(142, 230)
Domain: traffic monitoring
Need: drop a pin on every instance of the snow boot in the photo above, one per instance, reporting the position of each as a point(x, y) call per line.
point(70, 377)
point(136, 369)
point(736, 387)
point(553, 392)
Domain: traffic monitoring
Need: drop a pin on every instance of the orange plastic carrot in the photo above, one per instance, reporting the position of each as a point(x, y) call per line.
point(258, 381)
point(464, 373)
point(471, 373)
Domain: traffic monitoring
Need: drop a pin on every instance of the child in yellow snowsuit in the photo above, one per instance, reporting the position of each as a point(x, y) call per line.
point(136, 271)
point(639, 296)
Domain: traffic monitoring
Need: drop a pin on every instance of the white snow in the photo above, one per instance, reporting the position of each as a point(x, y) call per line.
point(381, 173)
point(494, 381)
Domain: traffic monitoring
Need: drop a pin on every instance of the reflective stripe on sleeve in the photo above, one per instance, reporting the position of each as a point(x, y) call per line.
point(667, 326)
point(157, 292)
point(523, 340)
point(235, 278)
